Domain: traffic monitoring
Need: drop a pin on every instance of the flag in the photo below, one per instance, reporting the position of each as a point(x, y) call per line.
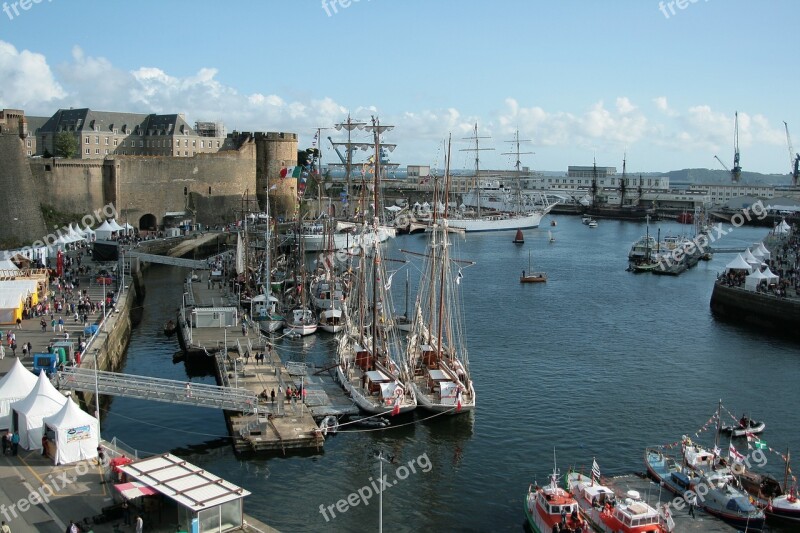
point(757, 443)
point(458, 278)
point(595, 471)
point(458, 401)
point(396, 410)
point(389, 282)
point(734, 454)
point(717, 451)
point(297, 171)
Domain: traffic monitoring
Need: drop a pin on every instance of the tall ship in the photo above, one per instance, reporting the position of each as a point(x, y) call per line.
point(633, 211)
point(436, 349)
point(369, 357)
point(504, 210)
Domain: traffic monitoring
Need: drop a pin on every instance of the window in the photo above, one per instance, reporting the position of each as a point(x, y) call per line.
point(141, 144)
point(86, 139)
point(29, 152)
point(106, 151)
point(106, 141)
point(115, 142)
point(115, 131)
point(97, 151)
point(28, 143)
point(202, 144)
point(194, 143)
point(186, 152)
point(217, 144)
point(88, 151)
point(185, 142)
point(96, 139)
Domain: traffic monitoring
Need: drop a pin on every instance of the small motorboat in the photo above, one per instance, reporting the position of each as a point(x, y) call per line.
point(746, 425)
point(553, 222)
point(370, 421)
point(519, 238)
point(585, 219)
point(592, 224)
point(170, 328)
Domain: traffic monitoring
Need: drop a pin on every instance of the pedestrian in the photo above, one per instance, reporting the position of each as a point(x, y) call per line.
point(126, 512)
point(272, 395)
point(4, 528)
point(6, 442)
point(43, 324)
point(691, 507)
point(44, 445)
point(244, 329)
point(19, 323)
point(2, 352)
point(53, 323)
point(61, 323)
point(14, 348)
point(14, 443)
point(188, 390)
point(139, 524)
point(73, 527)
point(24, 350)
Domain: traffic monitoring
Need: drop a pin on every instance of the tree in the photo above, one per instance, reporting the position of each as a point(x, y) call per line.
point(65, 145)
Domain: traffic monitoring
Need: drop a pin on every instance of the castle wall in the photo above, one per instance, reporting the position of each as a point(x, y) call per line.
point(20, 198)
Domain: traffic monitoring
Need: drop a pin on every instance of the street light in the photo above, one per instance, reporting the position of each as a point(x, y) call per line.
point(96, 393)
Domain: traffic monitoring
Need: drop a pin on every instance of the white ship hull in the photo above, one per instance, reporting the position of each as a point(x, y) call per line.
point(498, 222)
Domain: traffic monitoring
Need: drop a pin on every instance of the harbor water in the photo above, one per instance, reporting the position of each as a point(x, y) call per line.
point(596, 363)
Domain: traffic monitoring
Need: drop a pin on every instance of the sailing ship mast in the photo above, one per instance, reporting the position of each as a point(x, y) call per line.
point(349, 126)
point(477, 151)
point(518, 164)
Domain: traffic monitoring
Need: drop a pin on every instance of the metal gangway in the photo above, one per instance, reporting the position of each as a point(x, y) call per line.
point(157, 389)
point(166, 260)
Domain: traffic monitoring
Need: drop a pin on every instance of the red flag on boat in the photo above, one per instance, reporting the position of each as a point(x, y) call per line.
point(396, 410)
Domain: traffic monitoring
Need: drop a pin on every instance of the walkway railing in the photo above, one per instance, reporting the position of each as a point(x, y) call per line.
point(158, 389)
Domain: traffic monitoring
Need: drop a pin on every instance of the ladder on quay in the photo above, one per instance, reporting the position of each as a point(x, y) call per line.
point(158, 389)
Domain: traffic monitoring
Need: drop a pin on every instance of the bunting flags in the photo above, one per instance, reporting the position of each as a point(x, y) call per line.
point(595, 471)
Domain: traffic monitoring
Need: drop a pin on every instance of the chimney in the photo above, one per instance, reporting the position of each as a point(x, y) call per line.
point(23, 127)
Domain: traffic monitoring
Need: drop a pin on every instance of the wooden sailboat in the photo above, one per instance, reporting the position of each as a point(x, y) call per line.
point(519, 238)
point(436, 349)
point(368, 356)
point(532, 277)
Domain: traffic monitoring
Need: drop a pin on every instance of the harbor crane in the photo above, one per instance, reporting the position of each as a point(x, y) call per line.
point(794, 158)
point(736, 172)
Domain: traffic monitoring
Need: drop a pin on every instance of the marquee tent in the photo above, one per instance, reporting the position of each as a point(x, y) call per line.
point(114, 225)
point(44, 400)
point(782, 228)
point(738, 263)
point(771, 276)
point(103, 231)
point(76, 433)
point(765, 253)
point(12, 302)
point(15, 385)
point(752, 280)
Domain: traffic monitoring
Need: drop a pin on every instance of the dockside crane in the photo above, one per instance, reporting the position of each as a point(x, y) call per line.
point(736, 171)
point(794, 158)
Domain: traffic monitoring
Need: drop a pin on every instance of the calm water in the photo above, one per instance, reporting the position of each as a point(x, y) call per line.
point(597, 362)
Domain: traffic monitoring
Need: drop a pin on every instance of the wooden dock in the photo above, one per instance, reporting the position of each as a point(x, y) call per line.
point(323, 396)
point(657, 496)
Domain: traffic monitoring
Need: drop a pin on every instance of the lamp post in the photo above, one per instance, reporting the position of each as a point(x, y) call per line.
point(96, 393)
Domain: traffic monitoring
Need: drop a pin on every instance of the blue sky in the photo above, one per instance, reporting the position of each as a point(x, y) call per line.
point(578, 78)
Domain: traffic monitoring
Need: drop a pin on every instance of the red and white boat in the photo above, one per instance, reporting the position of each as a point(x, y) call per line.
point(550, 505)
point(785, 507)
point(605, 512)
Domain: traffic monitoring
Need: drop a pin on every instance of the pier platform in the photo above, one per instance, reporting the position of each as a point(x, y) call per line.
point(323, 396)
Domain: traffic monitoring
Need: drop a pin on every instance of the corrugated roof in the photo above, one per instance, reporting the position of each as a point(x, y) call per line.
point(183, 482)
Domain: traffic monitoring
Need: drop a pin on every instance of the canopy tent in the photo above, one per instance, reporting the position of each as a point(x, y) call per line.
point(757, 253)
point(127, 228)
point(114, 225)
point(104, 231)
point(771, 276)
point(738, 264)
point(12, 302)
point(44, 400)
point(750, 258)
point(25, 286)
point(753, 279)
point(782, 228)
point(15, 385)
point(75, 234)
point(86, 232)
point(765, 253)
point(77, 434)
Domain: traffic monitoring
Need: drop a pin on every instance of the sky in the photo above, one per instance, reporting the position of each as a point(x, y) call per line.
point(657, 83)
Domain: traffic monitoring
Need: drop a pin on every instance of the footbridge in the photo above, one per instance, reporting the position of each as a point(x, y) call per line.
point(173, 261)
point(158, 389)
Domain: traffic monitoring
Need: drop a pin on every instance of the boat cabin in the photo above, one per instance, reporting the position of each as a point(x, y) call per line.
point(699, 458)
point(597, 495)
point(363, 357)
point(375, 380)
point(429, 356)
point(441, 385)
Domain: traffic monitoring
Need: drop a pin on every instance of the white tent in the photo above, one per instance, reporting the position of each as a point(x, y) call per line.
point(738, 264)
point(12, 300)
point(8, 264)
point(757, 253)
point(76, 433)
point(752, 280)
point(782, 228)
point(128, 229)
point(750, 258)
point(771, 276)
point(75, 234)
point(104, 231)
point(15, 385)
point(44, 400)
point(765, 253)
point(114, 225)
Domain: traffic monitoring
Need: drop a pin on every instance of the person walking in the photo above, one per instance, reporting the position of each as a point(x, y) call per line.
point(19, 323)
point(139, 524)
point(6, 442)
point(14, 443)
point(4, 528)
point(2, 352)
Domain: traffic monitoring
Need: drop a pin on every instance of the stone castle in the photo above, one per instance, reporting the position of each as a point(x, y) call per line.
point(127, 160)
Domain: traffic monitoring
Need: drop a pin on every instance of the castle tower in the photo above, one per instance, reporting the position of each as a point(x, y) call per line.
point(275, 151)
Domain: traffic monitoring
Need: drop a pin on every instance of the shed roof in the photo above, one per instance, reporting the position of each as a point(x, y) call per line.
point(183, 482)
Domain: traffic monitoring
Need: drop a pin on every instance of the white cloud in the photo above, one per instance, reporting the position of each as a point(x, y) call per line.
point(27, 81)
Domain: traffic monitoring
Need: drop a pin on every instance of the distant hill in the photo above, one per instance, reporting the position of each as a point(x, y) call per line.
point(705, 175)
